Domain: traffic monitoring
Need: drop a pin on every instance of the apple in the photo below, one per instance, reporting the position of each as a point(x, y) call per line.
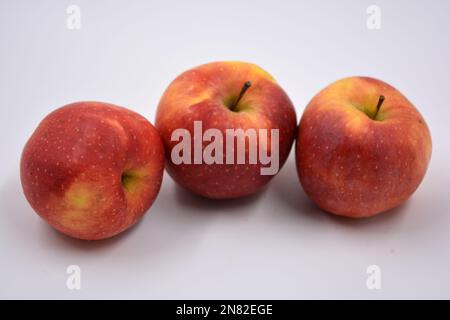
point(362, 148)
point(237, 110)
point(92, 169)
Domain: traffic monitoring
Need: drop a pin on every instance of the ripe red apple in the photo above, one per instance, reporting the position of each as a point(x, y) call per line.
point(209, 104)
point(92, 169)
point(362, 148)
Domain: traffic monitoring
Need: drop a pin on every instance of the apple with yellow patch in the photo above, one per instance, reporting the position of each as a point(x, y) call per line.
point(362, 148)
point(92, 169)
point(207, 103)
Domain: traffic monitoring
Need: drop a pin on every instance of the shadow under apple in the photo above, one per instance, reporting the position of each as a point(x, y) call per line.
point(189, 200)
point(286, 186)
point(160, 228)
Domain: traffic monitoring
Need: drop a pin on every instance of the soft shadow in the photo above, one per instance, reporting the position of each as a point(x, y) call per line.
point(288, 189)
point(177, 219)
point(88, 245)
point(191, 200)
point(21, 219)
point(384, 217)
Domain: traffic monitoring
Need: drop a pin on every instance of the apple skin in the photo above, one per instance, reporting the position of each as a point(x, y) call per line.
point(198, 95)
point(352, 165)
point(92, 169)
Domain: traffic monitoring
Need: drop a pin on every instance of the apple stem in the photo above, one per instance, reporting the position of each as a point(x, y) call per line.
point(245, 87)
point(380, 103)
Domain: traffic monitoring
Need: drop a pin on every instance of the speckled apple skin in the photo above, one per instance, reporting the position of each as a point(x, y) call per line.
point(72, 165)
point(198, 95)
point(352, 165)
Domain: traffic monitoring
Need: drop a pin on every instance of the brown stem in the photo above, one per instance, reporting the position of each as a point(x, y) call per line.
point(245, 87)
point(380, 103)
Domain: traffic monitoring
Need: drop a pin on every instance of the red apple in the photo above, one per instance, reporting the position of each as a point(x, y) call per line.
point(92, 169)
point(362, 148)
point(216, 100)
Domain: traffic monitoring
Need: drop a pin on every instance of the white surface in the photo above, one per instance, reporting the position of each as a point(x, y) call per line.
point(274, 245)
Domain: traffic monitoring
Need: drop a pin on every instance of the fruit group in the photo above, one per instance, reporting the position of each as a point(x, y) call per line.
point(92, 169)
point(223, 96)
point(362, 148)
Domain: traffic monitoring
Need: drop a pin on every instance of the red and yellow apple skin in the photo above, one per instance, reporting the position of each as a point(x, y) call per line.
point(92, 169)
point(203, 94)
point(354, 161)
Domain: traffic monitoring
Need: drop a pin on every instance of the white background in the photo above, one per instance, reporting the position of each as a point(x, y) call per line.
point(273, 245)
